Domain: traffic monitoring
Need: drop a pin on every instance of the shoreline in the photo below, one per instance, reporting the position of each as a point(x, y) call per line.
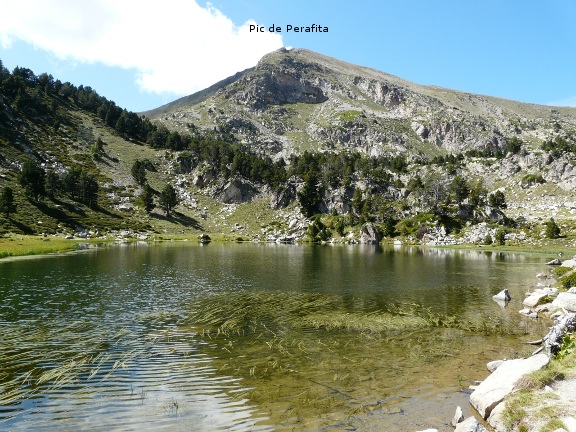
point(17, 245)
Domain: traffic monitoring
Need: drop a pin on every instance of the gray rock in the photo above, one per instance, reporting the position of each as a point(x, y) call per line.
point(470, 425)
point(572, 290)
point(502, 295)
point(565, 300)
point(369, 234)
point(555, 261)
point(503, 381)
point(458, 417)
point(529, 313)
point(237, 191)
point(284, 197)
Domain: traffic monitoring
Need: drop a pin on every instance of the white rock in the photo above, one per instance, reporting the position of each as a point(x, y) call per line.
point(502, 295)
point(470, 425)
point(496, 419)
point(569, 263)
point(458, 417)
point(570, 423)
point(503, 381)
point(535, 298)
point(565, 300)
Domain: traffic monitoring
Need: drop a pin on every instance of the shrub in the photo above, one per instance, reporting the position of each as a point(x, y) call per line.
point(501, 237)
point(568, 280)
point(532, 179)
point(561, 271)
point(552, 229)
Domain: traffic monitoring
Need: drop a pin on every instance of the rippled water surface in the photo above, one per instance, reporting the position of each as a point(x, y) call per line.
point(253, 337)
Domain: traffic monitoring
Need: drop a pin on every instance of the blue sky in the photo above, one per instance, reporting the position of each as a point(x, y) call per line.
point(142, 54)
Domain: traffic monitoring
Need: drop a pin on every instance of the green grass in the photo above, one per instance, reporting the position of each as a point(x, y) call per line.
point(348, 116)
point(33, 245)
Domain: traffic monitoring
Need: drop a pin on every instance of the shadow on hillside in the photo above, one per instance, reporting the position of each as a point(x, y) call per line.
point(55, 212)
point(72, 208)
point(107, 212)
point(25, 229)
point(179, 218)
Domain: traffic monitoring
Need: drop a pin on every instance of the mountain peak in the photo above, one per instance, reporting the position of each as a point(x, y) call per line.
point(296, 99)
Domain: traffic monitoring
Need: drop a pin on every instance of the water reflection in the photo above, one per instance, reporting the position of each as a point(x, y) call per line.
point(107, 337)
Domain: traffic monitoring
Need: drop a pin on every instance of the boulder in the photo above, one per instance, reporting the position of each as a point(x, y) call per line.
point(565, 300)
point(369, 234)
point(502, 295)
point(534, 299)
point(503, 381)
point(470, 425)
point(530, 313)
point(570, 423)
point(555, 261)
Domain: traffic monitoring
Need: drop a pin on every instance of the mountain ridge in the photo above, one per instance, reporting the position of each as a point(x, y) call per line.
point(401, 115)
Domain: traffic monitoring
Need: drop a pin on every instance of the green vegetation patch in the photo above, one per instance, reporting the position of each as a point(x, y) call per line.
point(348, 116)
point(31, 245)
point(568, 280)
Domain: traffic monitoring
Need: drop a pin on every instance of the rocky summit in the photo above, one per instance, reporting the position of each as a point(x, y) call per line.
point(296, 100)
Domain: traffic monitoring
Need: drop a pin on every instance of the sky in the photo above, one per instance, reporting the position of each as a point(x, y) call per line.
point(143, 54)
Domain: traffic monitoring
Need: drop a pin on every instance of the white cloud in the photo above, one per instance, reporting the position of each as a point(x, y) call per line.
point(175, 46)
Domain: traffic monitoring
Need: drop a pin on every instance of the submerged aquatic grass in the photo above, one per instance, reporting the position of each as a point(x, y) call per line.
point(318, 355)
point(242, 312)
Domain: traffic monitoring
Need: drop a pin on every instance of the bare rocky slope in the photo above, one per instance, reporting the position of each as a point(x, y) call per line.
point(296, 100)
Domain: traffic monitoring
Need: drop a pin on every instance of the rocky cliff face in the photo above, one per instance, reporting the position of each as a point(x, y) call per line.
point(296, 100)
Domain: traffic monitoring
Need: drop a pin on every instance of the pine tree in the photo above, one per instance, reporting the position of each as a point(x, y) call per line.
point(7, 205)
point(147, 198)
point(168, 199)
point(138, 172)
point(31, 178)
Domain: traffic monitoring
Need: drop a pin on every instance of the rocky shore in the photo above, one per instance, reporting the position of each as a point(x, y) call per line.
point(509, 376)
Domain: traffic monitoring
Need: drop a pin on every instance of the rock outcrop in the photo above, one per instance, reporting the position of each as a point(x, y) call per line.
point(237, 191)
point(369, 234)
point(503, 381)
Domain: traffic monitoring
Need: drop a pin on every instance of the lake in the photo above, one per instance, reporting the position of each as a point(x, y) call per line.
point(250, 337)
